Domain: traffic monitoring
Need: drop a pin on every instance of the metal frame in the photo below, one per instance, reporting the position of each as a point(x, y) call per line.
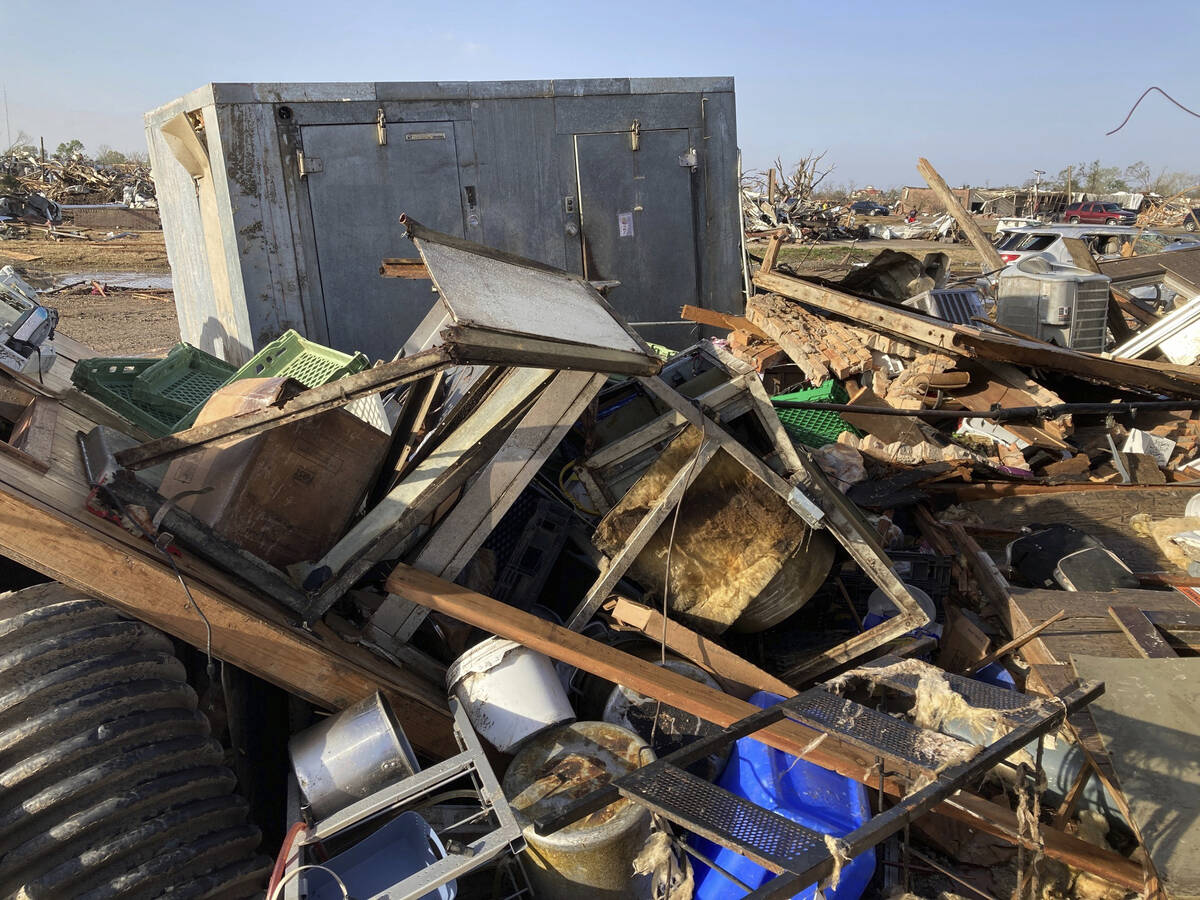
point(830, 509)
point(1030, 719)
point(471, 761)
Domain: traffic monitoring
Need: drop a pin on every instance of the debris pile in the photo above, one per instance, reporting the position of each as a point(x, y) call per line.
point(77, 181)
point(731, 620)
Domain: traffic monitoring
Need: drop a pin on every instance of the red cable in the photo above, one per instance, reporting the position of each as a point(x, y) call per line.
point(282, 858)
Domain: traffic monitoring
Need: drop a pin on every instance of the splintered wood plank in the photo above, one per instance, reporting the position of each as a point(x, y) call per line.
point(317, 665)
point(717, 319)
point(974, 234)
point(1141, 632)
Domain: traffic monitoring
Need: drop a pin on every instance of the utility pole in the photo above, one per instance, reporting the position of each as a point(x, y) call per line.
point(1069, 185)
point(1037, 180)
point(8, 142)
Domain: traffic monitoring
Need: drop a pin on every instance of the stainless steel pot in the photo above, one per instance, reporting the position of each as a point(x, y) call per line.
point(350, 755)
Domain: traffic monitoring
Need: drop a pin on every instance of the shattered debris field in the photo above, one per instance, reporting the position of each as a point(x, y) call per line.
point(733, 542)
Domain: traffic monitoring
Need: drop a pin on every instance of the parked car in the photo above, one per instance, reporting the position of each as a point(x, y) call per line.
point(1015, 244)
point(1189, 220)
point(1098, 213)
point(869, 208)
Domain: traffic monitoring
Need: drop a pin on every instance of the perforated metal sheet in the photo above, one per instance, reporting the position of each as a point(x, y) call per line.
point(870, 728)
point(730, 821)
point(1012, 704)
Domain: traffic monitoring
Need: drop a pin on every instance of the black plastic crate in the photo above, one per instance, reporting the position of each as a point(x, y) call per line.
point(526, 543)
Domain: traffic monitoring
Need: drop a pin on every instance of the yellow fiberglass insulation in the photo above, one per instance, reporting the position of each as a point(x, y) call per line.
point(732, 537)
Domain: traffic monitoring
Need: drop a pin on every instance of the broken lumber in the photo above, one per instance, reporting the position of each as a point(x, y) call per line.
point(974, 234)
point(973, 342)
point(317, 665)
point(721, 709)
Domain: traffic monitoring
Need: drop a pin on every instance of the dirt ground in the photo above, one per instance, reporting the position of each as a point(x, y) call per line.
point(118, 322)
point(834, 259)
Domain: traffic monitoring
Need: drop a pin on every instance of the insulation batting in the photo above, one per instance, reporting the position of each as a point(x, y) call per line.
point(733, 536)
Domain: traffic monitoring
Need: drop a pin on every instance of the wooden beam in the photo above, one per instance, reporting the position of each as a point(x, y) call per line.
point(722, 320)
point(406, 267)
point(963, 340)
point(1015, 644)
point(974, 234)
point(723, 710)
point(736, 675)
point(317, 665)
point(1141, 632)
point(771, 254)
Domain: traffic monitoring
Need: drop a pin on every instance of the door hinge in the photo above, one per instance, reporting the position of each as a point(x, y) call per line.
point(381, 126)
point(308, 165)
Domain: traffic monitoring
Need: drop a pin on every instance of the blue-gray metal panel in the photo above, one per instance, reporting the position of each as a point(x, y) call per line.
point(590, 114)
point(365, 112)
point(719, 212)
point(521, 209)
point(422, 90)
point(693, 85)
point(310, 92)
point(356, 204)
point(638, 225)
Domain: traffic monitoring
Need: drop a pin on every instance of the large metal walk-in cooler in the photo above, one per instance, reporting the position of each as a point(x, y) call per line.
point(279, 201)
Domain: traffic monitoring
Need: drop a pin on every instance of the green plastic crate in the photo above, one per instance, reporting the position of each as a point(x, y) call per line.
point(295, 357)
point(815, 427)
point(111, 381)
point(292, 356)
point(183, 381)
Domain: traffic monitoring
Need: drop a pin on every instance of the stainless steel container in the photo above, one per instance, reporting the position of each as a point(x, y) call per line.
point(350, 755)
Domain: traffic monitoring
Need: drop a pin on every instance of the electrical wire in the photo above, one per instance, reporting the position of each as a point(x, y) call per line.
point(210, 668)
point(662, 646)
point(284, 852)
point(1152, 87)
point(275, 894)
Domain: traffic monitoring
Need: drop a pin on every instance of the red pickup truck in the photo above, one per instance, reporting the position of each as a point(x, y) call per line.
point(1096, 213)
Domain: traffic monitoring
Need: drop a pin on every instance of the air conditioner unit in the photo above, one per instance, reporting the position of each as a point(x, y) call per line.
point(1064, 305)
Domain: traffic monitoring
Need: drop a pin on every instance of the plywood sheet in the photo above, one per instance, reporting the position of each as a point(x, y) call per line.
point(1149, 719)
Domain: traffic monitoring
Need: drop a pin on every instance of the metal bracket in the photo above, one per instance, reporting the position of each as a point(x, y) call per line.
point(802, 506)
point(308, 165)
point(689, 159)
point(381, 126)
point(635, 135)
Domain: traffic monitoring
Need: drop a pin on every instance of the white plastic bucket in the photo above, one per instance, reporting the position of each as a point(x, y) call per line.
point(508, 691)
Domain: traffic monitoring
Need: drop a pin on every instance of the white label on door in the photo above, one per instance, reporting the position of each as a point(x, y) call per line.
point(625, 224)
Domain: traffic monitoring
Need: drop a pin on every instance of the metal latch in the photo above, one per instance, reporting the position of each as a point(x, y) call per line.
point(381, 126)
point(635, 135)
point(689, 158)
point(308, 165)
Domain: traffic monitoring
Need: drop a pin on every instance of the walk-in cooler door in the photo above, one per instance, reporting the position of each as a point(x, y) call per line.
point(637, 215)
point(357, 189)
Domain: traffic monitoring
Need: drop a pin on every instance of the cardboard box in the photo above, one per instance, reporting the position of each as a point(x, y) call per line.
point(286, 495)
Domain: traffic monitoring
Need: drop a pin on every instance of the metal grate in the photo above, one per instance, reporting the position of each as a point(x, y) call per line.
point(761, 834)
point(1013, 704)
point(871, 728)
point(1089, 318)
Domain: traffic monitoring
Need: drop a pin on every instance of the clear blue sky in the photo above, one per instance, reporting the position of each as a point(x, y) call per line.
point(986, 91)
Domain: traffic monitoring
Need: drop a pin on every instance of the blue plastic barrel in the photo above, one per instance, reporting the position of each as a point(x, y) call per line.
point(807, 794)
